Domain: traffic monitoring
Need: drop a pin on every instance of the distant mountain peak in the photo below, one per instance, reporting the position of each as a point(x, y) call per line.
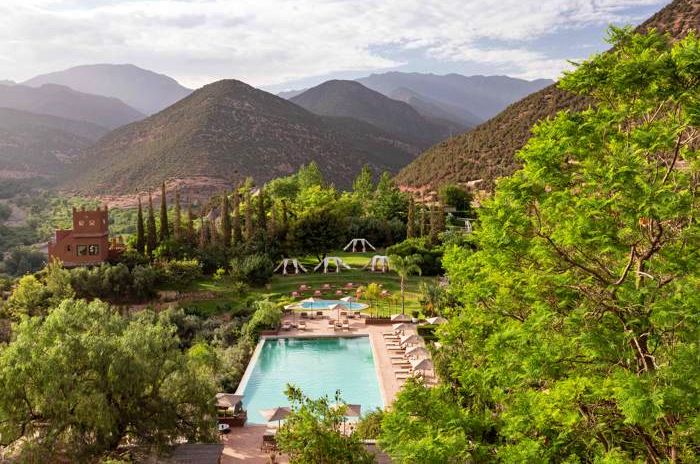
point(147, 91)
point(228, 130)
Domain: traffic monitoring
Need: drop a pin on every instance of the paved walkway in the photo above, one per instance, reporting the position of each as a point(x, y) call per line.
point(243, 443)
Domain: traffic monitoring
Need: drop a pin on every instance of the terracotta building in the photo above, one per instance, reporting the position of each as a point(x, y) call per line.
point(87, 243)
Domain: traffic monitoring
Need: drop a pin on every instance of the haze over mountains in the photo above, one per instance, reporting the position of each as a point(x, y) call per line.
point(144, 90)
point(226, 131)
point(488, 151)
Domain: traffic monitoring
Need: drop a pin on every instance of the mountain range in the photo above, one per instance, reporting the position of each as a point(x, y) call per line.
point(64, 102)
point(229, 130)
point(489, 151)
point(40, 145)
point(351, 99)
point(144, 90)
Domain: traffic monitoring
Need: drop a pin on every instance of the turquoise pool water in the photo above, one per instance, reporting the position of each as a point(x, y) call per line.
point(319, 366)
point(328, 304)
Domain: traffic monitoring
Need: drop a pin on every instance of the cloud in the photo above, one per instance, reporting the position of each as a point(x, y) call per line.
point(267, 42)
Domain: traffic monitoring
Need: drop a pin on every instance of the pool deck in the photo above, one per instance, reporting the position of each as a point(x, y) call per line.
point(243, 443)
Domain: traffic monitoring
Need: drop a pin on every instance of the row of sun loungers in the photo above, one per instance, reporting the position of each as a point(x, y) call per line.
point(400, 364)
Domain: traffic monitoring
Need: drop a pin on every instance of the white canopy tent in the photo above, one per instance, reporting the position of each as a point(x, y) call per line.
point(378, 261)
point(332, 259)
point(399, 318)
point(293, 262)
point(436, 320)
point(359, 241)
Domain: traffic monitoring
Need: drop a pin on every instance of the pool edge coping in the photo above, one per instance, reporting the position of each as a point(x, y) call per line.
point(258, 348)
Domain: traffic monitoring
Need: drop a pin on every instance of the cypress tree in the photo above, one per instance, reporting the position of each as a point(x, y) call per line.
point(248, 216)
point(434, 224)
point(272, 224)
point(164, 230)
point(411, 220)
point(225, 222)
point(177, 224)
point(203, 232)
point(151, 239)
point(285, 214)
point(423, 222)
point(190, 221)
point(140, 233)
point(262, 213)
point(237, 235)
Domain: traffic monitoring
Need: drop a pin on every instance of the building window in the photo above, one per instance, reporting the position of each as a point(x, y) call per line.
point(93, 250)
point(81, 223)
point(82, 250)
point(91, 222)
point(67, 247)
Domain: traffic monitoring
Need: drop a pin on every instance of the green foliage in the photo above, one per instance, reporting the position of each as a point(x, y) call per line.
point(114, 282)
point(312, 433)
point(389, 202)
point(370, 425)
point(29, 298)
point(363, 185)
point(140, 230)
point(253, 269)
point(85, 379)
point(267, 316)
point(458, 198)
point(178, 273)
point(431, 256)
point(151, 237)
point(317, 232)
point(23, 260)
point(425, 425)
point(380, 233)
point(578, 337)
point(164, 229)
point(404, 266)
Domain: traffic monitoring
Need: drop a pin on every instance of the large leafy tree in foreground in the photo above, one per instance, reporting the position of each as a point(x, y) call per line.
point(85, 379)
point(578, 337)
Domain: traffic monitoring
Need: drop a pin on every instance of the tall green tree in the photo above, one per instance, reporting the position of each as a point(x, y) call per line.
point(177, 219)
point(225, 221)
point(318, 232)
point(578, 337)
point(411, 220)
point(151, 233)
point(309, 176)
point(164, 232)
point(313, 432)
point(140, 233)
point(86, 380)
point(388, 202)
point(236, 225)
point(363, 185)
point(405, 266)
point(262, 211)
point(190, 221)
point(249, 227)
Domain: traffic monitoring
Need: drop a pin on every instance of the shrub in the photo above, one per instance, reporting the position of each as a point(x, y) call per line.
point(178, 273)
point(24, 260)
point(380, 233)
point(254, 269)
point(370, 425)
point(267, 316)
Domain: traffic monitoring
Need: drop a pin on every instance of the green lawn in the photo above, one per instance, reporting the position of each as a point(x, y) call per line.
point(281, 287)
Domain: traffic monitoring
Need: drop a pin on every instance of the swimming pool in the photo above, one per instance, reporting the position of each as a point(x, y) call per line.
point(328, 304)
point(319, 366)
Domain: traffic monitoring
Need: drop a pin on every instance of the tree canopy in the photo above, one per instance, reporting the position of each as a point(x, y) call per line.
point(85, 378)
point(577, 341)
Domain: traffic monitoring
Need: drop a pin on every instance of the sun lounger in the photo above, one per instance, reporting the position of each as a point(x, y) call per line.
point(286, 325)
point(303, 315)
point(331, 322)
point(346, 326)
point(319, 314)
point(301, 325)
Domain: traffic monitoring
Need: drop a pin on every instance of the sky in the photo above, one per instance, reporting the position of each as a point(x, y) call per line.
point(287, 44)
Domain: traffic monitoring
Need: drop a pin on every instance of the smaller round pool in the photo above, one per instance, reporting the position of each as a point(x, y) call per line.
point(328, 304)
